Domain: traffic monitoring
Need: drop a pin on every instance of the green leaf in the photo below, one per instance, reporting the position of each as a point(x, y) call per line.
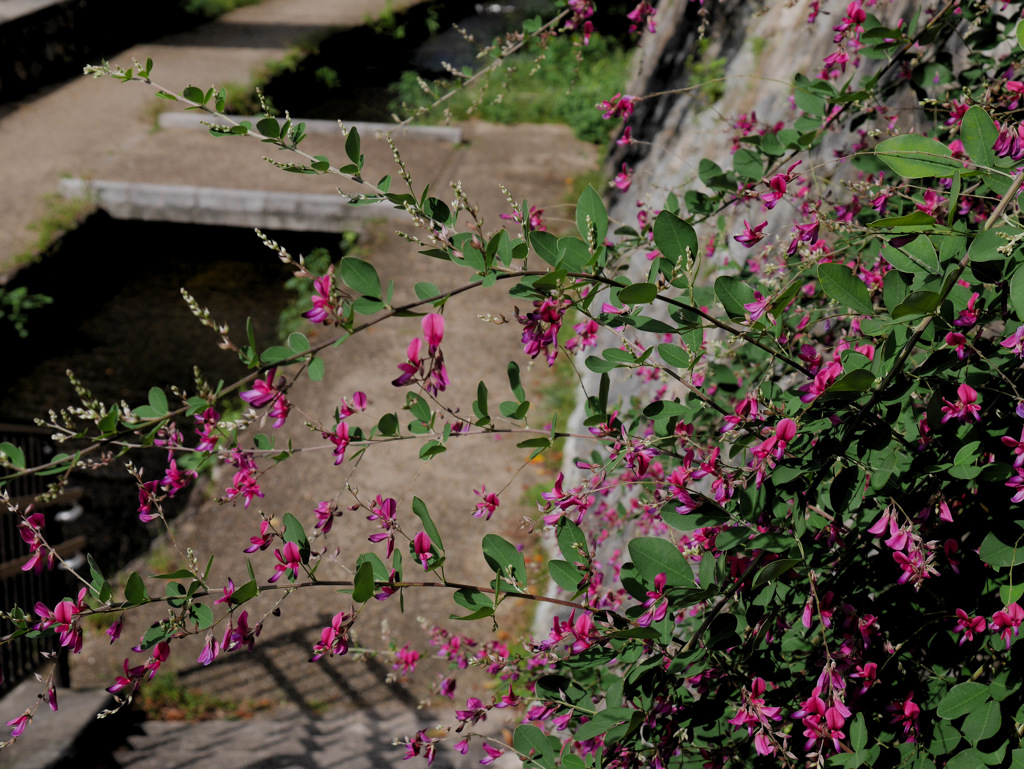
point(298, 342)
point(352, 145)
point(962, 699)
point(733, 294)
point(158, 401)
point(917, 157)
point(673, 236)
point(572, 543)
point(917, 303)
point(202, 615)
point(293, 532)
point(591, 205)
point(426, 291)
point(505, 560)
point(135, 589)
point(774, 570)
point(565, 575)
point(984, 247)
point(276, 354)
point(14, 455)
point(979, 134)
point(177, 574)
point(471, 599)
point(360, 276)
point(531, 742)
point(912, 222)
point(419, 509)
point(748, 165)
point(965, 759)
point(316, 369)
point(246, 592)
point(674, 355)
point(638, 293)
point(1017, 291)
point(1020, 42)
point(546, 246)
point(982, 722)
point(363, 586)
point(515, 382)
point(839, 282)
point(997, 553)
point(653, 556)
point(269, 127)
point(857, 380)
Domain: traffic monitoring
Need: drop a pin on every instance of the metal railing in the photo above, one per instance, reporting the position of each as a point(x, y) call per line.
point(24, 656)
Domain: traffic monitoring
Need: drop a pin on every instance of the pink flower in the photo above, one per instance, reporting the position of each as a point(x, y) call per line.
point(384, 512)
point(968, 626)
point(229, 590)
point(751, 235)
point(624, 178)
point(406, 659)
point(289, 560)
point(644, 13)
point(20, 723)
point(421, 546)
point(959, 342)
point(1007, 622)
point(323, 308)
point(488, 504)
point(965, 407)
point(333, 638)
point(492, 753)
point(262, 392)
point(325, 513)
point(618, 106)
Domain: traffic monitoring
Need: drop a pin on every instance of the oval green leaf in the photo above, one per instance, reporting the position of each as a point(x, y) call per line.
point(839, 282)
point(917, 157)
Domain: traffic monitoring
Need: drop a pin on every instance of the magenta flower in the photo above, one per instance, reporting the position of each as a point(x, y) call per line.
point(624, 178)
point(1007, 622)
point(540, 327)
point(237, 636)
point(618, 106)
point(114, 631)
point(64, 620)
point(493, 754)
point(205, 429)
point(968, 626)
point(384, 512)
point(421, 546)
point(957, 341)
point(147, 498)
point(965, 407)
point(289, 561)
point(1015, 342)
point(751, 235)
point(640, 16)
point(429, 371)
point(333, 638)
point(488, 504)
point(325, 513)
point(132, 677)
point(229, 590)
point(211, 650)
point(340, 440)
point(262, 392)
point(656, 603)
point(20, 723)
point(323, 308)
point(405, 660)
point(969, 316)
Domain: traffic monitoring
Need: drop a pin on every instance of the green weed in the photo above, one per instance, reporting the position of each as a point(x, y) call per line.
point(530, 88)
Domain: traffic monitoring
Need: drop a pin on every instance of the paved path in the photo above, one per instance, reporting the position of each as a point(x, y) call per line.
point(101, 129)
point(78, 128)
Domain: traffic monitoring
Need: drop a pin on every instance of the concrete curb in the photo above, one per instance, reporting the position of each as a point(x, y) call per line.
point(448, 134)
point(186, 204)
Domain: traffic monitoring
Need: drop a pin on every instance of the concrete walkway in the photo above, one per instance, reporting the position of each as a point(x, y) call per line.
point(102, 130)
point(81, 127)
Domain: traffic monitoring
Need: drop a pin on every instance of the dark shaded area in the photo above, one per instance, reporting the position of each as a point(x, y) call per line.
point(119, 322)
point(54, 43)
point(419, 39)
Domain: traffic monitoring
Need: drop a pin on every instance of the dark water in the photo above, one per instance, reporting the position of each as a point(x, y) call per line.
point(119, 322)
point(369, 59)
